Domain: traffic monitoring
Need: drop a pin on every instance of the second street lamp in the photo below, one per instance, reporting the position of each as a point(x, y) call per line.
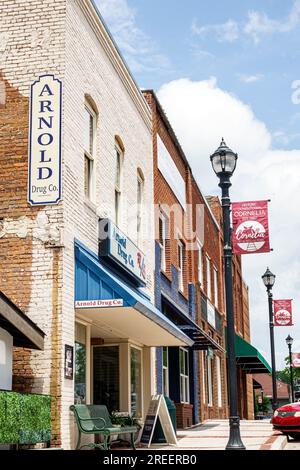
point(224, 162)
point(289, 341)
point(269, 281)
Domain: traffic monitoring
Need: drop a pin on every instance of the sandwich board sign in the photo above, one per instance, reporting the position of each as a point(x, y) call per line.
point(158, 408)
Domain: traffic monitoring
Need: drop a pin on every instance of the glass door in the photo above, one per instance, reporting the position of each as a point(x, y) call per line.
point(136, 381)
point(106, 380)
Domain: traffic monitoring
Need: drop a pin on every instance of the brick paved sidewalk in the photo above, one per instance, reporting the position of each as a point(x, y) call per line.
point(213, 435)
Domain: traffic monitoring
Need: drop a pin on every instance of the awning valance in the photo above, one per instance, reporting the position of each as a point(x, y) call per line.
point(249, 358)
point(120, 311)
point(25, 333)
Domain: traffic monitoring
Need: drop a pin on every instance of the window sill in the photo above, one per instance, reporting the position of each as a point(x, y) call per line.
point(91, 205)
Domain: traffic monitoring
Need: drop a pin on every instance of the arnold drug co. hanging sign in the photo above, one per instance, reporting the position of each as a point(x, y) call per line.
point(45, 128)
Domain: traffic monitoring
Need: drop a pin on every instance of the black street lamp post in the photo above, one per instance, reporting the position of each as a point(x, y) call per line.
point(289, 341)
point(269, 281)
point(224, 163)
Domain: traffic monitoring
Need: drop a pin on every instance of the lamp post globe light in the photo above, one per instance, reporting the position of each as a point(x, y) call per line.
point(289, 341)
point(224, 163)
point(269, 281)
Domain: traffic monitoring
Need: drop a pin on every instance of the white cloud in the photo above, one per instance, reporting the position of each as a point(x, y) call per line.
point(201, 113)
point(250, 78)
point(259, 24)
point(225, 32)
point(140, 51)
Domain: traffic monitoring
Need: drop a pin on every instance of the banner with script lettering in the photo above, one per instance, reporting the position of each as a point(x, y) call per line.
point(45, 128)
point(283, 313)
point(296, 360)
point(250, 227)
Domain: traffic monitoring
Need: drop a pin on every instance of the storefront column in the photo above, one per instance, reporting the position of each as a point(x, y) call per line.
point(88, 364)
point(147, 378)
point(124, 377)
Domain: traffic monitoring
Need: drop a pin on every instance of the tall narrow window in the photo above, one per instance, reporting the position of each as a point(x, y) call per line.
point(200, 263)
point(216, 290)
point(140, 197)
point(80, 364)
point(181, 255)
point(118, 182)
point(203, 376)
point(163, 240)
point(208, 277)
point(209, 381)
point(219, 381)
point(184, 376)
point(89, 150)
point(166, 372)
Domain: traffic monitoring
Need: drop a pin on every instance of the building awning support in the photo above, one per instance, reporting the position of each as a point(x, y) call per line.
point(25, 333)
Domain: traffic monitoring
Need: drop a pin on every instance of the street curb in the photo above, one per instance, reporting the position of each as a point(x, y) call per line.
point(275, 442)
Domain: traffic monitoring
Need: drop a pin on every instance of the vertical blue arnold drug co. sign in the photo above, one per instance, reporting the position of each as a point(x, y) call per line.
point(45, 129)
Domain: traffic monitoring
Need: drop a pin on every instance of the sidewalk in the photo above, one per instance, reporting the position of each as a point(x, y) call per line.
point(213, 435)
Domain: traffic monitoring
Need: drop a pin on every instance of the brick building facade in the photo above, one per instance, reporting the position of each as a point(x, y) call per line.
point(187, 235)
point(50, 264)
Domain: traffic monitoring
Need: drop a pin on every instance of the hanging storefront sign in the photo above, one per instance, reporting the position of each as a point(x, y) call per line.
point(250, 227)
point(117, 247)
point(108, 303)
point(283, 313)
point(296, 360)
point(45, 129)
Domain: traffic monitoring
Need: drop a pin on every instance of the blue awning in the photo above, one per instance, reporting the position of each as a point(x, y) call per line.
point(137, 318)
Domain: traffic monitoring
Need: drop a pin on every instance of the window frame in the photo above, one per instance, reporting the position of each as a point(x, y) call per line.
point(89, 191)
point(210, 390)
point(181, 259)
point(184, 376)
point(219, 381)
point(140, 203)
point(216, 287)
point(165, 372)
point(200, 262)
point(208, 277)
point(119, 159)
point(163, 240)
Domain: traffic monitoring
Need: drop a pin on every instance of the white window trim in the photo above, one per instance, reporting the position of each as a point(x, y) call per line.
point(216, 287)
point(118, 188)
point(140, 207)
point(166, 371)
point(186, 378)
point(181, 267)
point(163, 261)
point(210, 382)
point(208, 277)
point(200, 262)
point(132, 346)
point(90, 156)
point(219, 381)
point(203, 377)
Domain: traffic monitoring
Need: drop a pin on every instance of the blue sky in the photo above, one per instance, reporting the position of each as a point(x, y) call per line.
point(227, 68)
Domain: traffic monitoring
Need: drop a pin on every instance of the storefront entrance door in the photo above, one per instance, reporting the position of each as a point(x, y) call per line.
point(106, 377)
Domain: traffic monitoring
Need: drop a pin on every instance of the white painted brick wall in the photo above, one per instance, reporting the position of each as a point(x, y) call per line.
point(54, 36)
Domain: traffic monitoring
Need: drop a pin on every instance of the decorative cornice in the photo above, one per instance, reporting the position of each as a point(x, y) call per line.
point(97, 23)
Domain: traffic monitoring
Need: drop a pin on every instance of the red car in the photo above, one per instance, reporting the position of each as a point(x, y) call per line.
point(287, 420)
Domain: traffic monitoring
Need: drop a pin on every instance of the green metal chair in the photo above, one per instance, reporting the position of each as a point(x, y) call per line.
point(95, 419)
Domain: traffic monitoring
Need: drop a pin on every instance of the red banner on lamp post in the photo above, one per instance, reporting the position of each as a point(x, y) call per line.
point(283, 313)
point(296, 360)
point(250, 227)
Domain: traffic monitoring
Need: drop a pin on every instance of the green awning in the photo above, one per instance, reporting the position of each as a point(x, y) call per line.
point(249, 358)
